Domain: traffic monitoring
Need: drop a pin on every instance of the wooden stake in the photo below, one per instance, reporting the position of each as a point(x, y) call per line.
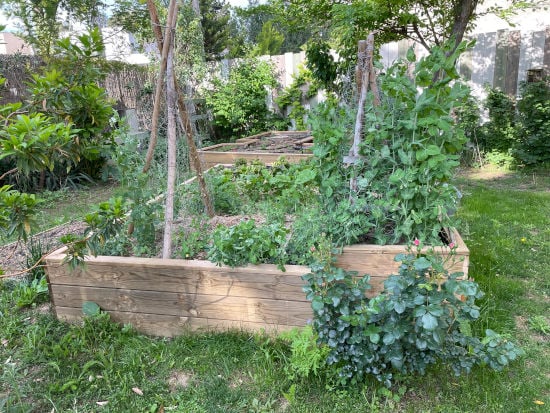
point(193, 152)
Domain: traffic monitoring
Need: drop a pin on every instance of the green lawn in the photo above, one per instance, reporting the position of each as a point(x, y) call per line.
point(49, 366)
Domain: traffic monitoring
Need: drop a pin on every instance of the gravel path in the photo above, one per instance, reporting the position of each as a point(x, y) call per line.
point(13, 256)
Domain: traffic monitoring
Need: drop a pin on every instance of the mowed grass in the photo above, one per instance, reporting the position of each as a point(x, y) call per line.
point(49, 366)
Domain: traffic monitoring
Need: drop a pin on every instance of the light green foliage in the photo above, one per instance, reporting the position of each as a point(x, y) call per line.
point(194, 240)
point(307, 357)
point(239, 103)
point(269, 40)
point(42, 21)
point(246, 243)
point(294, 96)
point(418, 320)
point(409, 152)
point(36, 143)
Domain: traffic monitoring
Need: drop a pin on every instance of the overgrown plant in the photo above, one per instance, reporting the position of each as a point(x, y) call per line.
point(421, 318)
point(401, 183)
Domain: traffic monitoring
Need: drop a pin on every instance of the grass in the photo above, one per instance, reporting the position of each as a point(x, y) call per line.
point(68, 205)
point(48, 366)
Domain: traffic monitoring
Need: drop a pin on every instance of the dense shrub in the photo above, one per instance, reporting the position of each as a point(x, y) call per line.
point(239, 103)
point(534, 123)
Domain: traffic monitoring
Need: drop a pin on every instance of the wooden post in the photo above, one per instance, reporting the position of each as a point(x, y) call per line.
point(193, 152)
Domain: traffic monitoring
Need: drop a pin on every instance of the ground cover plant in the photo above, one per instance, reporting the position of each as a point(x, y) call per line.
point(99, 366)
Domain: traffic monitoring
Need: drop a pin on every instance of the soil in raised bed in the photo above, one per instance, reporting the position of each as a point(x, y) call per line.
point(279, 143)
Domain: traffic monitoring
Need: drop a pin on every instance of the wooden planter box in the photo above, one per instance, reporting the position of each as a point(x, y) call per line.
point(166, 297)
point(228, 153)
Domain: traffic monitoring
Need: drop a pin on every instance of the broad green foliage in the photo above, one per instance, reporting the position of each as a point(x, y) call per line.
point(239, 103)
point(246, 243)
point(421, 317)
point(17, 212)
point(68, 92)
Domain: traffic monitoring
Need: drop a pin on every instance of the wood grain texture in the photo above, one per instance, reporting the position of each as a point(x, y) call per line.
point(164, 297)
point(172, 326)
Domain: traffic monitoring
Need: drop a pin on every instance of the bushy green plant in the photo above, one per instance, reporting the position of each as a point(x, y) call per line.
point(293, 98)
point(68, 91)
point(498, 133)
point(534, 123)
point(307, 357)
point(422, 317)
point(246, 243)
point(399, 189)
point(17, 211)
point(239, 104)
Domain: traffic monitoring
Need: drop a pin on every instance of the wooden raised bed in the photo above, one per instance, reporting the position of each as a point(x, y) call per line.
point(250, 148)
point(166, 297)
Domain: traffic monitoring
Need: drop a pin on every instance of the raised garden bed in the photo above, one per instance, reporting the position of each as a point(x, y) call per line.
point(166, 297)
point(266, 147)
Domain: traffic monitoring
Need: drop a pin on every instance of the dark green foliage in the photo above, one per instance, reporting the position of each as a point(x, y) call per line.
point(499, 132)
point(322, 64)
point(421, 317)
point(534, 123)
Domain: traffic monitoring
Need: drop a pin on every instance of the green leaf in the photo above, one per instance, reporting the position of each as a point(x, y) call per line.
point(317, 304)
point(422, 264)
point(90, 309)
point(429, 322)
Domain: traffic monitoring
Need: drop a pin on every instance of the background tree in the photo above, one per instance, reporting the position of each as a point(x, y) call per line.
point(269, 40)
point(249, 23)
point(41, 22)
point(342, 23)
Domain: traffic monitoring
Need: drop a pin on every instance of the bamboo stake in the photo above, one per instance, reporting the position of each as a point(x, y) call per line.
point(160, 82)
point(182, 108)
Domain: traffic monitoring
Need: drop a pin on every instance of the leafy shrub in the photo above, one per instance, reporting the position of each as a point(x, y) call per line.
point(534, 123)
point(246, 243)
point(422, 317)
point(399, 188)
point(498, 133)
point(239, 104)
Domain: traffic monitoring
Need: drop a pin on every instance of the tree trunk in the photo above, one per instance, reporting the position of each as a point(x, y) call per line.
point(463, 12)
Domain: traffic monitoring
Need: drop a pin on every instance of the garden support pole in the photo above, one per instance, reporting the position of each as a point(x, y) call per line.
point(160, 82)
point(182, 108)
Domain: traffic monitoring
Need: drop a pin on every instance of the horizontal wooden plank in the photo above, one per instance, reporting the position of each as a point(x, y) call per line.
point(172, 326)
point(256, 310)
point(201, 277)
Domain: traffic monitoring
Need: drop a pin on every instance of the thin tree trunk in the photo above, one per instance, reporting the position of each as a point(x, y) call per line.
point(171, 151)
point(160, 81)
point(193, 152)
